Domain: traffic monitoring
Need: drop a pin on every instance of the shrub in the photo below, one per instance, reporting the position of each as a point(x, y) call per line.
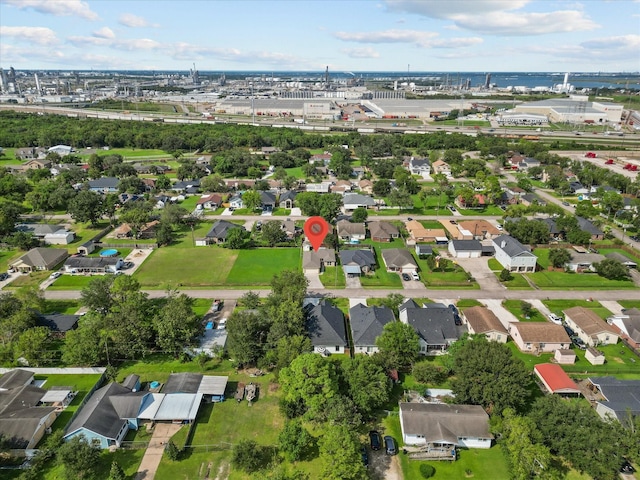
point(427, 471)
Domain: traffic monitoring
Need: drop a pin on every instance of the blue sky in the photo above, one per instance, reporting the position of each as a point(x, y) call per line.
point(308, 35)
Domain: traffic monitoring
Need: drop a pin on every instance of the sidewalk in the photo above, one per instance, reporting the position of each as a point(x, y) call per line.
point(149, 464)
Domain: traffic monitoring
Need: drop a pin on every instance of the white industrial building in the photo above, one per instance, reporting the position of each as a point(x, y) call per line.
point(575, 109)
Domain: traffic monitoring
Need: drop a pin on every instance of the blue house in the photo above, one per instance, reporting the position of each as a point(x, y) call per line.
point(104, 185)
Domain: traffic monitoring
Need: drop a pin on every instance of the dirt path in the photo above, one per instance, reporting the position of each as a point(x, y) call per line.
point(149, 464)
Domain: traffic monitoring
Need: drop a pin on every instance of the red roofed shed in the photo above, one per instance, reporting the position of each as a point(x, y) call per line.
point(555, 379)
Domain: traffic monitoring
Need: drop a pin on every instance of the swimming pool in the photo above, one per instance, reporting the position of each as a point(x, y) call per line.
point(110, 252)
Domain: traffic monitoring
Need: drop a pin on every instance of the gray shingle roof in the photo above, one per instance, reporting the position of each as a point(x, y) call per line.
point(358, 199)
point(367, 323)
point(91, 262)
point(434, 324)
point(45, 257)
point(511, 246)
point(442, 422)
point(104, 182)
point(221, 228)
point(15, 378)
point(621, 395)
point(467, 245)
point(325, 324)
point(58, 322)
point(398, 258)
point(182, 383)
point(587, 226)
point(361, 258)
point(98, 414)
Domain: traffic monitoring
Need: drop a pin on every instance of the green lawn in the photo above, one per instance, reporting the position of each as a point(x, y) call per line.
point(333, 277)
point(193, 267)
point(557, 306)
point(517, 282)
point(380, 277)
point(514, 306)
point(71, 282)
point(32, 279)
point(7, 256)
point(576, 281)
point(258, 266)
point(67, 307)
point(630, 303)
point(453, 277)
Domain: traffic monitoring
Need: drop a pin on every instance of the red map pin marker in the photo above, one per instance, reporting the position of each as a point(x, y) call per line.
point(316, 228)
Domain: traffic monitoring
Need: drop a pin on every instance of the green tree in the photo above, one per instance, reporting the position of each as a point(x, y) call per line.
point(340, 454)
point(172, 451)
point(116, 472)
point(35, 345)
point(88, 345)
point(294, 441)
point(237, 238)
point(176, 324)
point(9, 216)
point(400, 198)
point(250, 300)
point(526, 308)
point(487, 374)
point(359, 215)
point(246, 456)
point(251, 200)
point(287, 349)
point(310, 380)
point(612, 269)
point(97, 294)
point(247, 333)
point(136, 218)
point(272, 233)
point(173, 215)
point(399, 344)
point(505, 275)
point(382, 187)
point(164, 234)
point(368, 384)
point(558, 257)
point(289, 285)
point(429, 373)
point(78, 457)
point(86, 206)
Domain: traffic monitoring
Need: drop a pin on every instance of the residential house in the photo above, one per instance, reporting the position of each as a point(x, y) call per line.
point(341, 187)
point(440, 166)
point(287, 199)
point(267, 200)
point(357, 262)
point(148, 230)
point(314, 262)
point(29, 153)
point(423, 250)
point(514, 256)
point(539, 337)
point(90, 265)
point(86, 248)
point(587, 226)
point(351, 232)
point(590, 327)
point(187, 186)
point(326, 327)
point(434, 323)
point(621, 398)
point(627, 323)
point(383, 231)
point(367, 324)
point(289, 228)
point(531, 199)
point(420, 166)
point(399, 260)
point(351, 201)
point(322, 187)
point(481, 320)
point(479, 201)
point(420, 234)
point(269, 150)
point(58, 323)
point(465, 248)
point(62, 150)
point(583, 262)
point(23, 422)
point(39, 259)
point(219, 231)
point(456, 232)
point(211, 387)
point(320, 158)
point(480, 229)
point(209, 202)
point(38, 230)
point(441, 427)
point(555, 380)
point(104, 185)
point(36, 164)
point(236, 202)
point(366, 186)
point(526, 163)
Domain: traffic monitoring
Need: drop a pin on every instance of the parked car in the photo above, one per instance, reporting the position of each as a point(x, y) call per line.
point(627, 468)
point(365, 456)
point(456, 319)
point(566, 204)
point(452, 208)
point(406, 277)
point(374, 440)
point(453, 308)
point(3, 276)
point(55, 275)
point(577, 341)
point(127, 265)
point(569, 331)
point(415, 276)
point(390, 445)
point(453, 222)
point(555, 319)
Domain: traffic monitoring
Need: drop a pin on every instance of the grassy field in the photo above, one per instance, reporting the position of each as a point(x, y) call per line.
point(576, 281)
point(32, 279)
point(70, 282)
point(515, 307)
point(7, 256)
point(557, 306)
point(258, 266)
point(333, 277)
point(453, 277)
point(67, 307)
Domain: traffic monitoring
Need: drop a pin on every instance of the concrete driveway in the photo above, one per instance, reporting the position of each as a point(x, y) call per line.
point(352, 281)
point(479, 269)
point(415, 285)
point(314, 281)
point(504, 315)
point(149, 465)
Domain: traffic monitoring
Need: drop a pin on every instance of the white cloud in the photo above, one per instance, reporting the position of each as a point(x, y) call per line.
point(134, 21)
point(38, 35)
point(104, 32)
point(61, 8)
point(497, 17)
point(125, 44)
point(20, 55)
point(388, 36)
point(361, 52)
point(186, 51)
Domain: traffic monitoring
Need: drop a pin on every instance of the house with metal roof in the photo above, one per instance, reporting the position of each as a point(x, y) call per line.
point(555, 380)
point(367, 324)
point(357, 262)
point(434, 323)
point(399, 260)
point(483, 321)
point(514, 256)
point(440, 427)
point(104, 185)
point(326, 328)
point(620, 398)
point(590, 327)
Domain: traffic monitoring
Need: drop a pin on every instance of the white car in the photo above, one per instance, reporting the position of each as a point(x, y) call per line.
point(55, 275)
point(415, 275)
point(554, 318)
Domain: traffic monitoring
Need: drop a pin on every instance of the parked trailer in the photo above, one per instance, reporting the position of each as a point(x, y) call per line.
point(366, 130)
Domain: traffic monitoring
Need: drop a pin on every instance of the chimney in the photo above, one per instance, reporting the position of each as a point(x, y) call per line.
point(503, 243)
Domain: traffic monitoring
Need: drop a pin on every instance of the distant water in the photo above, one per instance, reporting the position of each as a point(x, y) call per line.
point(592, 80)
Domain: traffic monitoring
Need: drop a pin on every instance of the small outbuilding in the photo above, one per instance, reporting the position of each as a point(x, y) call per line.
point(564, 356)
point(594, 356)
point(555, 380)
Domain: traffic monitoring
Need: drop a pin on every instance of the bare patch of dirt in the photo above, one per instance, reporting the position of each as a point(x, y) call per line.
point(223, 471)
